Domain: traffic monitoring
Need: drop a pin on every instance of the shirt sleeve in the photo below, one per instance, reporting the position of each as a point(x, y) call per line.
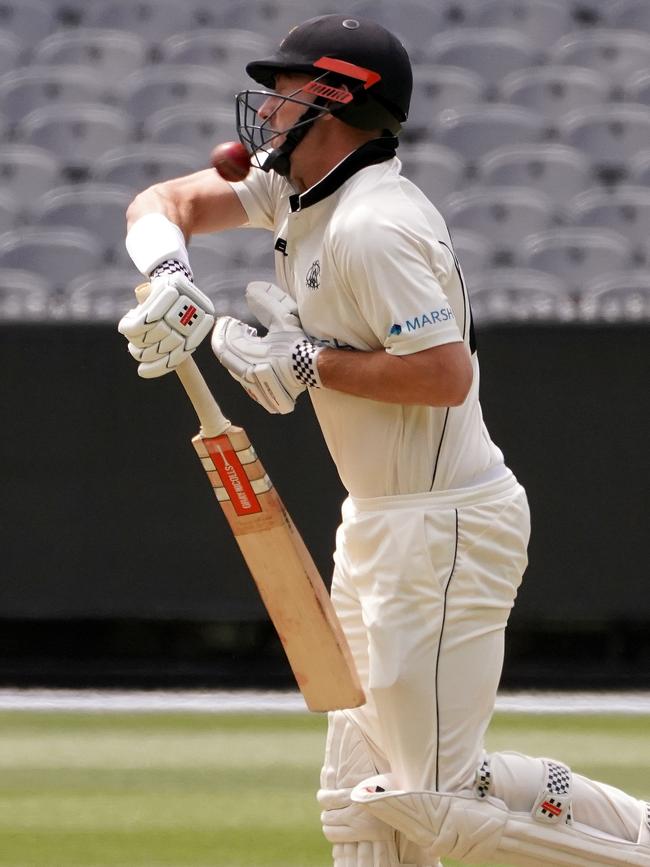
point(260, 193)
point(398, 276)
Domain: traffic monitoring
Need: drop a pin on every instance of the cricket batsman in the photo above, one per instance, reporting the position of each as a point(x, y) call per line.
point(432, 545)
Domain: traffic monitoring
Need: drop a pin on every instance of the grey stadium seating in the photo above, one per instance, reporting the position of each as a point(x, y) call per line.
point(24, 296)
point(437, 89)
point(137, 166)
point(111, 54)
point(625, 209)
point(529, 127)
point(507, 215)
point(543, 21)
point(520, 294)
point(617, 296)
point(24, 90)
point(577, 255)
point(57, 255)
point(437, 170)
point(97, 208)
point(472, 132)
point(557, 170)
point(617, 54)
point(491, 52)
point(554, 90)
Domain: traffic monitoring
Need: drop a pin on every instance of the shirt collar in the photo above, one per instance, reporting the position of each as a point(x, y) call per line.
point(377, 150)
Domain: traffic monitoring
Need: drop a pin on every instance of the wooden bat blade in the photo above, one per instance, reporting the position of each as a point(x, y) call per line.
point(285, 574)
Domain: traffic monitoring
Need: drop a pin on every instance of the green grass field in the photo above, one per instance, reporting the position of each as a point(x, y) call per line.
point(93, 790)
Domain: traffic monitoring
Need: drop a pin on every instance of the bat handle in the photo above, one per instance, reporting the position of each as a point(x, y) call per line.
point(213, 421)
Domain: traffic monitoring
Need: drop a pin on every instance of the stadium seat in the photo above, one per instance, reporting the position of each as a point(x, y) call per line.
point(576, 255)
point(637, 88)
point(630, 15)
point(414, 20)
point(640, 168)
point(226, 290)
point(473, 251)
point(23, 295)
point(225, 50)
point(245, 250)
point(437, 88)
point(626, 209)
point(543, 21)
point(77, 135)
point(11, 50)
point(102, 295)
point(274, 18)
point(623, 295)
point(472, 132)
point(32, 87)
point(553, 90)
point(616, 54)
point(559, 171)
point(27, 172)
point(28, 20)
point(491, 52)
point(9, 212)
point(610, 136)
point(519, 295)
point(109, 54)
point(57, 255)
point(436, 170)
point(157, 88)
point(153, 20)
point(504, 215)
point(137, 166)
point(98, 208)
point(192, 126)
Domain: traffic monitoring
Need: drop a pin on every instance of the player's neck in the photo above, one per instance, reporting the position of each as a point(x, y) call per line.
point(321, 150)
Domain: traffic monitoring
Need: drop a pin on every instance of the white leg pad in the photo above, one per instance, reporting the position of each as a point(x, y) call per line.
point(477, 831)
point(359, 839)
point(366, 854)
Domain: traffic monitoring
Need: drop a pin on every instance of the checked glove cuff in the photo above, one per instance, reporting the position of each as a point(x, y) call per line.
point(172, 266)
point(303, 363)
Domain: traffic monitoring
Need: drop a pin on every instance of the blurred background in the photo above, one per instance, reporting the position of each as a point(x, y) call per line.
point(529, 129)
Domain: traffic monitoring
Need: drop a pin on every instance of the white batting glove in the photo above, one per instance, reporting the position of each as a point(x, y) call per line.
point(276, 368)
point(167, 327)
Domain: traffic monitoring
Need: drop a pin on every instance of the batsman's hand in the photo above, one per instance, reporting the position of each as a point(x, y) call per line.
point(276, 368)
point(167, 327)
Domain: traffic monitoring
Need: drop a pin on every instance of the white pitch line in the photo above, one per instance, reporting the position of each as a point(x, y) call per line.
point(221, 701)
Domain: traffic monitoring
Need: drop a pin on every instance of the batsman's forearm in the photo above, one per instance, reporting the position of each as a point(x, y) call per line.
point(198, 203)
point(440, 376)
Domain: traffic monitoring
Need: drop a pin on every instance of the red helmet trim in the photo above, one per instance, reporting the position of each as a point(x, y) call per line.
point(351, 70)
point(336, 94)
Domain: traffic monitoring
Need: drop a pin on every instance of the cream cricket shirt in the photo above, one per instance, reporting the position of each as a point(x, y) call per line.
point(370, 264)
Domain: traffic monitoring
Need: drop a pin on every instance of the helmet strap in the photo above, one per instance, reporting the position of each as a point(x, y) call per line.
point(280, 158)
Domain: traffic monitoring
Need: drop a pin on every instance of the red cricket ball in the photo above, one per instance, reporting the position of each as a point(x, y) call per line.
point(231, 160)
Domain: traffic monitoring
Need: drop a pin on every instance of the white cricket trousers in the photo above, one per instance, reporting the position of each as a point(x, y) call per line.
point(423, 585)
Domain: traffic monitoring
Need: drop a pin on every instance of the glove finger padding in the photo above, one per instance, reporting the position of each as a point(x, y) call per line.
point(249, 359)
point(276, 310)
point(167, 327)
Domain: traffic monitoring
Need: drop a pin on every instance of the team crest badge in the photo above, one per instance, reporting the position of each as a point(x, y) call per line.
point(313, 276)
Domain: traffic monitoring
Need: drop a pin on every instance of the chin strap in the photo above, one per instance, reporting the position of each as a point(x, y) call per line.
point(280, 158)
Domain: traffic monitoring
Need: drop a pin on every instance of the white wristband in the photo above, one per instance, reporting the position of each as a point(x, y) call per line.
point(152, 239)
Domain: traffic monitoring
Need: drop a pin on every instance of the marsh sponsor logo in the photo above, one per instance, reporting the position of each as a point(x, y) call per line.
point(433, 317)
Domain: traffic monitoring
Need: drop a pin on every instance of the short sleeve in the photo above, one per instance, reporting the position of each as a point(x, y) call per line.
point(397, 276)
point(260, 194)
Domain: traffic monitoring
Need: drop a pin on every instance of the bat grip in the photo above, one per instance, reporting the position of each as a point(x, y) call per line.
point(213, 421)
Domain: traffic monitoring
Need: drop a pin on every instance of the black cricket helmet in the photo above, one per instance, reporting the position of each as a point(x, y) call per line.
point(337, 50)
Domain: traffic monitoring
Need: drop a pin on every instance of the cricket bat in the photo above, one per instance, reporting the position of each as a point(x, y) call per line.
point(283, 570)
